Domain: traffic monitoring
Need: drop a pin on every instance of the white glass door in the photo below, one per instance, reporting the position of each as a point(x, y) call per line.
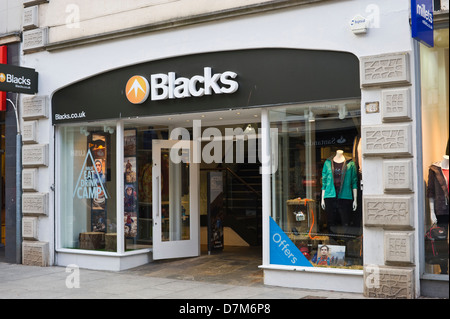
point(176, 215)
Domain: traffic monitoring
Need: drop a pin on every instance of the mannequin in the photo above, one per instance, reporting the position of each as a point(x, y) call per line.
point(339, 189)
point(339, 158)
point(444, 164)
point(437, 192)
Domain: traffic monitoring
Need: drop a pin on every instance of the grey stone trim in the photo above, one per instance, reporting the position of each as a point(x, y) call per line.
point(35, 107)
point(399, 247)
point(30, 18)
point(396, 104)
point(385, 70)
point(35, 40)
point(389, 282)
point(30, 179)
point(30, 132)
point(30, 228)
point(35, 155)
point(28, 3)
point(398, 176)
point(388, 140)
point(35, 204)
point(35, 253)
point(388, 211)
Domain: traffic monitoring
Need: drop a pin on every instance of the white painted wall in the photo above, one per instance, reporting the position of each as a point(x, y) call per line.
point(10, 16)
point(72, 19)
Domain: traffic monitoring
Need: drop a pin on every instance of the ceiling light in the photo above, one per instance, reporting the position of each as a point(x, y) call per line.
point(84, 131)
point(342, 111)
point(108, 129)
point(249, 129)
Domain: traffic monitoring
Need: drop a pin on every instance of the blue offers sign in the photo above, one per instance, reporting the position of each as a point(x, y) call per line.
point(282, 250)
point(422, 21)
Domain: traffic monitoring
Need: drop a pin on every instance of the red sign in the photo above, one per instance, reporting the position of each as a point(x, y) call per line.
point(3, 60)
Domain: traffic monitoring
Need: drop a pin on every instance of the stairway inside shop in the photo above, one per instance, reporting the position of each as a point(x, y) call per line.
point(243, 201)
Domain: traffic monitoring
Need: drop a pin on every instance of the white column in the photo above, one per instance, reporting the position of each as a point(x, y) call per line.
point(266, 193)
point(119, 188)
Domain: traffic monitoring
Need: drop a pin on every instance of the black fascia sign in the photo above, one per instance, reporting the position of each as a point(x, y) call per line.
point(18, 79)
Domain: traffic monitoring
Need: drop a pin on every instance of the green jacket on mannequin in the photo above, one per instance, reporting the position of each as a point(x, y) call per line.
point(349, 179)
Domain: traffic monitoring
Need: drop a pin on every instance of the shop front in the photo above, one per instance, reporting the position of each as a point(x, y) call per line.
point(309, 136)
point(142, 154)
point(435, 156)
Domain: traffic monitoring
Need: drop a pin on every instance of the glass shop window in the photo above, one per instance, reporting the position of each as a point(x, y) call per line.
point(87, 187)
point(137, 179)
point(316, 189)
point(435, 126)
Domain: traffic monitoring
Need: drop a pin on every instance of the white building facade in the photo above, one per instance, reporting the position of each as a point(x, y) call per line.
point(120, 84)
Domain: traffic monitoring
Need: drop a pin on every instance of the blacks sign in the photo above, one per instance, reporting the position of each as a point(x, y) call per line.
point(210, 81)
point(18, 79)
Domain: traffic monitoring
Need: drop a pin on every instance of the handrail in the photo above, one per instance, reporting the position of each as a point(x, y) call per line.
point(235, 175)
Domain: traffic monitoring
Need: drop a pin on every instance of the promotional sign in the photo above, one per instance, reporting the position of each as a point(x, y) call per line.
point(18, 79)
point(422, 21)
point(282, 250)
point(3, 60)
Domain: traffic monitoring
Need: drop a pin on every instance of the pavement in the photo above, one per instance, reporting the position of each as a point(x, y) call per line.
point(32, 282)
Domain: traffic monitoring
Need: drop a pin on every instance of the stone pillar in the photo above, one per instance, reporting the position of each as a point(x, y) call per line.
point(34, 203)
point(388, 207)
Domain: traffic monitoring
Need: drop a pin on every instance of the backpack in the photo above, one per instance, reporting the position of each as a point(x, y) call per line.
point(436, 245)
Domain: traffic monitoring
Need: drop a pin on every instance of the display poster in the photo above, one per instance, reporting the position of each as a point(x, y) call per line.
point(330, 255)
point(130, 184)
point(91, 186)
point(97, 146)
point(215, 211)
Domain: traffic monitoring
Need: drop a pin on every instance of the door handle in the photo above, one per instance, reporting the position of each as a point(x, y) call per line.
point(158, 194)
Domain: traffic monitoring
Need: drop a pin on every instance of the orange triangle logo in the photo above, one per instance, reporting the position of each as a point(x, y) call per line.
point(137, 89)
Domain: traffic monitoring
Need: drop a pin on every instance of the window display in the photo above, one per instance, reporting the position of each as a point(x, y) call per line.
point(435, 126)
point(87, 188)
point(316, 193)
point(436, 237)
point(137, 183)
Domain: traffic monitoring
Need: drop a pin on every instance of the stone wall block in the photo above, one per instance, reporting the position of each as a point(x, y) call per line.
point(35, 107)
point(399, 247)
point(35, 253)
point(398, 176)
point(389, 282)
point(396, 104)
point(35, 155)
point(30, 18)
point(30, 132)
point(30, 179)
point(385, 70)
point(35, 39)
point(35, 204)
point(30, 228)
point(27, 3)
point(389, 140)
point(388, 211)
